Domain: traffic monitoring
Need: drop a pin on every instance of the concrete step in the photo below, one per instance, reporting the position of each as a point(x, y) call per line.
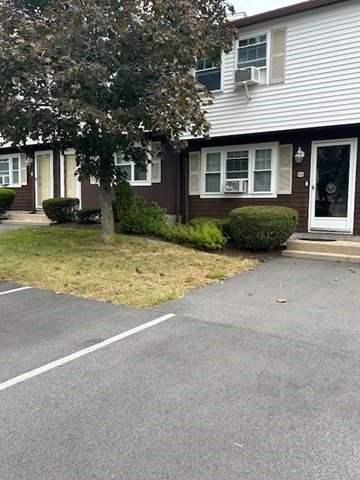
point(338, 250)
point(15, 218)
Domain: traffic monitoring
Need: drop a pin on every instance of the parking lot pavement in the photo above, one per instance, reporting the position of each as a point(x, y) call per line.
point(5, 227)
point(235, 386)
point(38, 327)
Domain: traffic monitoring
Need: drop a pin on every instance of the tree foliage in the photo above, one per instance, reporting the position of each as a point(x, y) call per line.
point(99, 75)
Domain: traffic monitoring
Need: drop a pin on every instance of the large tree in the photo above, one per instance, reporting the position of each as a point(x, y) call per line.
point(101, 75)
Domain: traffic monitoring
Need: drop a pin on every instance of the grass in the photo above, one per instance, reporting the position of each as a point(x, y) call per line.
point(135, 271)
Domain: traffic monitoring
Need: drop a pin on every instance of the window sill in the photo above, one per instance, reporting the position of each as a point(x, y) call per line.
point(140, 184)
point(238, 195)
point(212, 92)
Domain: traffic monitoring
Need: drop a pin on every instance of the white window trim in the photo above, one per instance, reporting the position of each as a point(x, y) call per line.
point(268, 39)
point(138, 183)
point(274, 146)
point(221, 89)
point(9, 157)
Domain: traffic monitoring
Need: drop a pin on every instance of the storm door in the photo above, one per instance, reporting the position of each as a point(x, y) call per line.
point(332, 186)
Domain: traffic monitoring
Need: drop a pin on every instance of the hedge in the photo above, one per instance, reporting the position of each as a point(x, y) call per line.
point(61, 210)
point(7, 197)
point(88, 215)
point(262, 227)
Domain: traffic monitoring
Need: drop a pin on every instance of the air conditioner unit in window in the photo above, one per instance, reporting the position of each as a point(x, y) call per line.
point(4, 180)
point(235, 186)
point(247, 76)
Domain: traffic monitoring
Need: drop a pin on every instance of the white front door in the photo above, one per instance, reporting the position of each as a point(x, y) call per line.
point(332, 185)
point(44, 184)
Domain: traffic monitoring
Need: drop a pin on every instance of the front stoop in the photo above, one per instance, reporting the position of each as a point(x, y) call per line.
point(23, 218)
point(337, 250)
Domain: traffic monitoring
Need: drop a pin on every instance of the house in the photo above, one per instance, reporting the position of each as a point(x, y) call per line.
point(285, 119)
point(37, 172)
point(284, 129)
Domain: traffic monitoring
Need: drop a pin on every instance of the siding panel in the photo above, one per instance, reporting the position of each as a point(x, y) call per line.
point(322, 77)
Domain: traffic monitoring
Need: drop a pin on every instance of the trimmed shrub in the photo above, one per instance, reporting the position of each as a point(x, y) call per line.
point(88, 215)
point(223, 225)
point(206, 235)
point(134, 215)
point(61, 210)
point(262, 227)
point(7, 197)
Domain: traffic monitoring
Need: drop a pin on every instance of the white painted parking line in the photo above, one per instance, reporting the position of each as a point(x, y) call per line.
point(15, 290)
point(81, 353)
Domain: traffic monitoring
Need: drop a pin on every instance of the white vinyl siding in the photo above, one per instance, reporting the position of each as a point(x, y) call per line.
point(322, 72)
point(10, 168)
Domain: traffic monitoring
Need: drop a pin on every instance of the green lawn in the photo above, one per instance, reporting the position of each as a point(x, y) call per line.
point(135, 271)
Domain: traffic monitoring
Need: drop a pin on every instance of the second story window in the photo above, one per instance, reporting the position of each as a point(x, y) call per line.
point(252, 52)
point(208, 73)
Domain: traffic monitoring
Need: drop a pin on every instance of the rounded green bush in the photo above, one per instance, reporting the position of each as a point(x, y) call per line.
point(88, 215)
point(262, 227)
point(7, 197)
point(61, 210)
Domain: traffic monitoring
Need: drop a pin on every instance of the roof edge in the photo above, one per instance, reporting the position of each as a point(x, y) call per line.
point(284, 11)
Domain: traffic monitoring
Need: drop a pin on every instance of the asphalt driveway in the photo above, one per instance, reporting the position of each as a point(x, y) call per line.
point(253, 378)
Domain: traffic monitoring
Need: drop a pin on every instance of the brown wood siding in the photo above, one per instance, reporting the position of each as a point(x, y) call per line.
point(299, 199)
point(56, 166)
point(164, 193)
point(25, 195)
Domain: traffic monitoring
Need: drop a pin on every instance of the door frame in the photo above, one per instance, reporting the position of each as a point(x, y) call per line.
point(69, 151)
point(323, 223)
point(51, 160)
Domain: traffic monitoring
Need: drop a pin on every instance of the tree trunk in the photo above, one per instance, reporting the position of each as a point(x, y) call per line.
point(107, 217)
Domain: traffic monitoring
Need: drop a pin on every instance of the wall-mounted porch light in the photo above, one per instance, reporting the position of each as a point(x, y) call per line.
point(29, 161)
point(299, 156)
